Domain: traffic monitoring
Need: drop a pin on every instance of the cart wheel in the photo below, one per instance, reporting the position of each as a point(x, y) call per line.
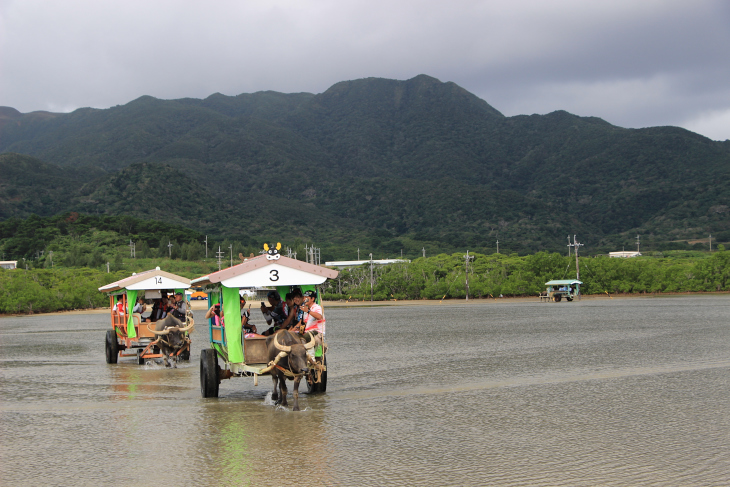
point(569, 299)
point(208, 373)
point(557, 298)
point(185, 355)
point(315, 388)
point(140, 359)
point(112, 347)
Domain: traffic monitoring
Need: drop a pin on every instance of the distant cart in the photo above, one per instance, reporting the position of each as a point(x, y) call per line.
point(127, 338)
point(562, 288)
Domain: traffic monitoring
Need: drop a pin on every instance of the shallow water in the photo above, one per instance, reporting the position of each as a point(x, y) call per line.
point(598, 392)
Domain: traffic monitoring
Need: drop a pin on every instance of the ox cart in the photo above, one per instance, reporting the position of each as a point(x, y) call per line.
point(250, 355)
point(129, 336)
point(562, 288)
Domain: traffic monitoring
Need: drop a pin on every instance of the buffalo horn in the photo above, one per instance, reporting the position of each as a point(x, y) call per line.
point(311, 343)
point(283, 348)
point(192, 324)
point(159, 332)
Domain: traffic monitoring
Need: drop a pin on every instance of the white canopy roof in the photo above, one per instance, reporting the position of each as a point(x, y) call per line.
point(154, 279)
point(262, 272)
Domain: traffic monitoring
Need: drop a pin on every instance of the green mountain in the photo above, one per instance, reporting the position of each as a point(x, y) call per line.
point(376, 164)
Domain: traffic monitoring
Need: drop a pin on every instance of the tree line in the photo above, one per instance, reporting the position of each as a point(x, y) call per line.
point(438, 277)
point(445, 276)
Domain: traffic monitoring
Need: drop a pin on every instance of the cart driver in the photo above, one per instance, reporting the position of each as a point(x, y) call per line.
point(180, 307)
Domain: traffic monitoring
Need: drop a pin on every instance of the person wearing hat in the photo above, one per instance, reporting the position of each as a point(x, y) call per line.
point(313, 314)
point(180, 307)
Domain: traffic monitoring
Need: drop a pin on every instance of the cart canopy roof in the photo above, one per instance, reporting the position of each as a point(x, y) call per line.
point(563, 282)
point(261, 272)
point(148, 280)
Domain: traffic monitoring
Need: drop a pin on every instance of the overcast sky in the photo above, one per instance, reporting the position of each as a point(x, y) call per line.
point(634, 63)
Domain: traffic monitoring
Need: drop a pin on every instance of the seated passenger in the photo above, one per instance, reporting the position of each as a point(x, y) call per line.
point(119, 308)
point(245, 314)
point(137, 311)
point(295, 315)
point(276, 310)
point(216, 312)
point(314, 316)
point(155, 313)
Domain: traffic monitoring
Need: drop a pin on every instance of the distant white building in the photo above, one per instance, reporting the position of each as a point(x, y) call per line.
point(8, 264)
point(344, 264)
point(624, 254)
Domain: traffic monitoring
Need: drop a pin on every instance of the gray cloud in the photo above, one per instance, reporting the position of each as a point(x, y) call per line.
point(634, 64)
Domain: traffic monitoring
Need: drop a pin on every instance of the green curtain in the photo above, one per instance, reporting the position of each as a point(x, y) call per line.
point(131, 301)
point(232, 317)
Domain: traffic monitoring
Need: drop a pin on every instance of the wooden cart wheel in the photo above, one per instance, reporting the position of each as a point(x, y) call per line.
point(112, 347)
point(140, 359)
point(209, 373)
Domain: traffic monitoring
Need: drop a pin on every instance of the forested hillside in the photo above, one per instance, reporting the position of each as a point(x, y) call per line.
point(376, 164)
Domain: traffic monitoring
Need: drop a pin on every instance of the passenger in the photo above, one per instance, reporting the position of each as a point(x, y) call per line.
point(156, 310)
point(164, 306)
point(138, 309)
point(245, 315)
point(276, 310)
point(119, 308)
point(294, 319)
point(217, 312)
point(314, 316)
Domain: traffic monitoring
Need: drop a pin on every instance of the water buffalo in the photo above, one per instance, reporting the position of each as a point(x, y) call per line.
point(171, 337)
point(288, 360)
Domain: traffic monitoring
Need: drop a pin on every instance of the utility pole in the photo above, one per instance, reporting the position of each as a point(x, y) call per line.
point(424, 252)
point(497, 246)
point(467, 258)
point(358, 253)
point(371, 277)
point(710, 242)
point(220, 255)
point(206, 247)
point(231, 247)
point(50, 254)
point(577, 268)
point(568, 245)
point(638, 244)
point(107, 268)
point(131, 249)
point(169, 247)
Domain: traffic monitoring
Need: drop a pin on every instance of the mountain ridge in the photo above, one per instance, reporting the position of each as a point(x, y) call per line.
point(375, 157)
